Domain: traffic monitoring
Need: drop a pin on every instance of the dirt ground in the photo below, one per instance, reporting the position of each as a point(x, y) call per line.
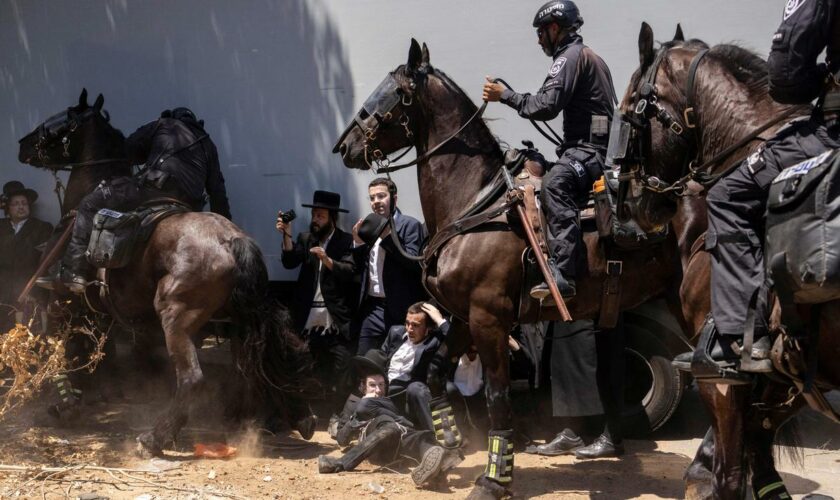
point(285, 466)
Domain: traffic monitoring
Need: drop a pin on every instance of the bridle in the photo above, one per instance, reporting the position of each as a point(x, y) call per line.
point(60, 127)
point(637, 127)
point(381, 105)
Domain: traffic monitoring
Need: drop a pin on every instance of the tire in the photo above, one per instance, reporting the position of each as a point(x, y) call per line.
point(653, 388)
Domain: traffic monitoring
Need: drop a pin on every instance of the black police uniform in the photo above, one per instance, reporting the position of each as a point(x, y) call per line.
point(580, 85)
point(736, 204)
point(181, 162)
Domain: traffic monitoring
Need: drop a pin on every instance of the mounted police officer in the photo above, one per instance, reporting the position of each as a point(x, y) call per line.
point(736, 204)
point(181, 162)
point(578, 84)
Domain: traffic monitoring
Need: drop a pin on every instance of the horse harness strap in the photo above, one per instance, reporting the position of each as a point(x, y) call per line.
point(611, 296)
point(464, 225)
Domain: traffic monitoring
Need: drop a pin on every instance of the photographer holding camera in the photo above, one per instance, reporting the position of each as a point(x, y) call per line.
point(327, 288)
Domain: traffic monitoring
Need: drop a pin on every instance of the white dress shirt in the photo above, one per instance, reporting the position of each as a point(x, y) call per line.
point(403, 360)
point(319, 316)
point(17, 227)
point(376, 263)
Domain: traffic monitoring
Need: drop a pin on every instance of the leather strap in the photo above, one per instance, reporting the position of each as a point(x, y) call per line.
point(611, 298)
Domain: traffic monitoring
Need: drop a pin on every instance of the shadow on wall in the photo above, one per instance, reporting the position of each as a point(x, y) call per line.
point(269, 78)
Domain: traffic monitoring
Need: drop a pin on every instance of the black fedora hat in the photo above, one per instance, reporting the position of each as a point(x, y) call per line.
point(14, 188)
point(326, 199)
point(373, 362)
point(372, 227)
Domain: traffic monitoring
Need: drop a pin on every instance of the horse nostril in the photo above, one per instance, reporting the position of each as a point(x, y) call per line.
point(342, 150)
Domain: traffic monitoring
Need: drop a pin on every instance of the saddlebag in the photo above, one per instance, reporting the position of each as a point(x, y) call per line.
point(116, 235)
point(802, 244)
point(626, 234)
point(112, 239)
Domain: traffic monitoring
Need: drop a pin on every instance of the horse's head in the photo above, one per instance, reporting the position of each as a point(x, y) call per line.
point(388, 119)
point(654, 138)
point(59, 141)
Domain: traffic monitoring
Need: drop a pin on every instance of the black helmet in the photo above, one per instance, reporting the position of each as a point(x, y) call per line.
point(563, 12)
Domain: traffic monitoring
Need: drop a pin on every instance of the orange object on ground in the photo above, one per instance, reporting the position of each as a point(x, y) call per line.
point(214, 450)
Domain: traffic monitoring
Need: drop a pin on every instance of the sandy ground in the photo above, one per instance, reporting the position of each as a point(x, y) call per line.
point(284, 466)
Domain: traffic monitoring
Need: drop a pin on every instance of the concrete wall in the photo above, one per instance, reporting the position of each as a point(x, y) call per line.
point(276, 81)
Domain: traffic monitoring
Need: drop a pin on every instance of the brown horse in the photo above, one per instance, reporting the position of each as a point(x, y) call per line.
point(730, 101)
point(194, 267)
point(477, 275)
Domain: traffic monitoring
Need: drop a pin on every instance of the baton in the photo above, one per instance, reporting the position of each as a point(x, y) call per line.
point(532, 239)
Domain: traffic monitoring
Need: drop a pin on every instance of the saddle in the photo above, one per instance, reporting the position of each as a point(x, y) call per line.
point(117, 235)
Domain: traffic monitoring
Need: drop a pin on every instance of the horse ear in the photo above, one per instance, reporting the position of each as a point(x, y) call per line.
point(678, 36)
point(646, 54)
point(83, 99)
point(415, 56)
point(425, 55)
point(100, 100)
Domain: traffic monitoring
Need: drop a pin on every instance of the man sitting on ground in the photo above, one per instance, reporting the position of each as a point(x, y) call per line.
point(385, 434)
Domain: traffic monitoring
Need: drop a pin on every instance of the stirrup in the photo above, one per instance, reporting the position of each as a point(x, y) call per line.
point(705, 369)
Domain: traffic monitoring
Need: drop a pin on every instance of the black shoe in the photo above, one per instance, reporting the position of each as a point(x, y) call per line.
point(600, 448)
point(329, 465)
point(566, 288)
point(430, 465)
point(451, 459)
point(565, 443)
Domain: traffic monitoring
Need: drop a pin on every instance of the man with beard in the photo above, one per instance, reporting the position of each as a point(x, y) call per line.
point(327, 288)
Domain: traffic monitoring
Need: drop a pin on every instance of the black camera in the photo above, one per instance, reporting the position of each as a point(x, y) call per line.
point(288, 217)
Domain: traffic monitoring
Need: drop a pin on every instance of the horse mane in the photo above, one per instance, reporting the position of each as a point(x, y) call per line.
point(745, 65)
point(470, 106)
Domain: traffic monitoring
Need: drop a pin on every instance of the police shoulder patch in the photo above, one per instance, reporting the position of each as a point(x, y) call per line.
point(579, 170)
point(792, 6)
point(557, 66)
point(803, 168)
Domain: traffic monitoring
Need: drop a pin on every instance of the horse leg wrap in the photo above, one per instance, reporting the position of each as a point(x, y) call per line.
point(443, 418)
point(770, 488)
point(68, 397)
point(500, 456)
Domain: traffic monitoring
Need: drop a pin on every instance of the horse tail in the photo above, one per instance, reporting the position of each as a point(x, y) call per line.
point(274, 361)
point(789, 442)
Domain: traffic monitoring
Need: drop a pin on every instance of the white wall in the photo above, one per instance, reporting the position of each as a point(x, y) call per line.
point(276, 81)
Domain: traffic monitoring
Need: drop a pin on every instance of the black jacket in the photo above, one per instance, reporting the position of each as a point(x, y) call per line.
point(339, 286)
point(182, 149)
point(808, 27)
point(401, 277)
point(18, 257)
point(397, 337)
point(579, 84)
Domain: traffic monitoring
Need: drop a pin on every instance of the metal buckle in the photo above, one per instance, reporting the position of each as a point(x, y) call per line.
point(688, 117)
point(676, 128)
point(641, 106)
point(405, 102)
point(615, 267)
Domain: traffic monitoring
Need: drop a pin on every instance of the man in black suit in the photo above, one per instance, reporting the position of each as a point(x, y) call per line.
point(410, 350)
point(390, 281)
point(20, 234)
point(327, 287)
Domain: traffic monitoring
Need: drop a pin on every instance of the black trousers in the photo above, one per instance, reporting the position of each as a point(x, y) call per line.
point(414, 400)
point(384, 441)
point(331, 353)
point(566, 187)
point(736, 206)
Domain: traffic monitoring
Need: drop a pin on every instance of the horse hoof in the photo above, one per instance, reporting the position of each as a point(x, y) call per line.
point(699, 491)
point(146, 446)
point(486, 489)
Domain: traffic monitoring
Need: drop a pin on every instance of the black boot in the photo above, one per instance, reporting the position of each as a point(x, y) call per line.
point(602, 447)
point(717, 357)
point(566, 286)
point(565, 443)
